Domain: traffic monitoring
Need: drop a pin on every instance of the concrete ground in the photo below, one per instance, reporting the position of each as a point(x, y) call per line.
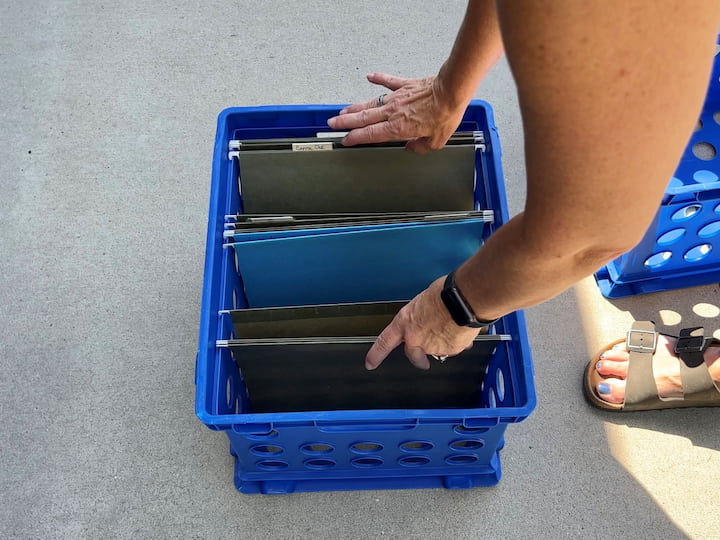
point(107, 116)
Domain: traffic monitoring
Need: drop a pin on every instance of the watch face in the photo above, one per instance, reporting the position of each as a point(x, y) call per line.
point(455, 307)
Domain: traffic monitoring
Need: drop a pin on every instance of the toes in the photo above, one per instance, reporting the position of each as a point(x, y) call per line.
point(611, 390)
point(616, 355)
point(612, 368)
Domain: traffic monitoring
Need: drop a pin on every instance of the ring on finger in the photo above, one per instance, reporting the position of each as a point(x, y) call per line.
point(381, 99)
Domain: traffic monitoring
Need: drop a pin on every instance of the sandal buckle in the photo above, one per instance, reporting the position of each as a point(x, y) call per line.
point(637, 341)
point(692, 340)
point(691, 344)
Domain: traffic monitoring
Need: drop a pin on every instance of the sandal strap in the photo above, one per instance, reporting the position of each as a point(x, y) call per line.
point(690, 347)
point(641, 389)
point(695, 379)
point(640, 386)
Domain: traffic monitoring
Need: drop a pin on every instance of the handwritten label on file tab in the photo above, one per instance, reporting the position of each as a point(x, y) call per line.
point(312, 146)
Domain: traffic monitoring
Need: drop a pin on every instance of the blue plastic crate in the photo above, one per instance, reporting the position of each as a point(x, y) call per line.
point(680, 248)
point(356, 449)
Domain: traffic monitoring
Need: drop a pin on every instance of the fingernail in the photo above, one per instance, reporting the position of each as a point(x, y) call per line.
point(369, 367)
point(343, 111)
point(598, 366)
point(604, 388)
point(331, 122)
point(602, 356)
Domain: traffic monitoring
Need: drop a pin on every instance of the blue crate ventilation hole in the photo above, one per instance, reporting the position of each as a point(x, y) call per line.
point(285, 452)
point(680, 248)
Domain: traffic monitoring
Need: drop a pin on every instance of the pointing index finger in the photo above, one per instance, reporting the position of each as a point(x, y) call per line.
point(388, 339)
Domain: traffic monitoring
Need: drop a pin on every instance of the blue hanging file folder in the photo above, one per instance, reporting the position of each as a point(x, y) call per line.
point(373, 264)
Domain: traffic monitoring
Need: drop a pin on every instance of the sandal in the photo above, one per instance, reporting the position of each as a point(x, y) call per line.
point(641, 394)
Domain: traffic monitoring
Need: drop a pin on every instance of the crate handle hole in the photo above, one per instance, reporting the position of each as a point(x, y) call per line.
point(710, 230)
point(671, 236)
point(267, 450)
point(317, 448)
point(319, 464)
point(462, 459)
point(467, 444)
point(463, 430)
point(705, 177)
point(414, 461)
point(697, 253)
point(366, 447)
point(658, 259)
point(704, 150)
point(686, 212)
point(492, 403)
point(416, 446)
point(367, 462)
point(500, 384)
point(229, 392)
point(272, 465)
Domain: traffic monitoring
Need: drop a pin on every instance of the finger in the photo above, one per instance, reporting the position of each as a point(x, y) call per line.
point(419, 145)
point(417, 357)
point(423, 145)
point(362, 118)
point(357, 107)
point(388, 339)
point(390, 82)
point(375, 133)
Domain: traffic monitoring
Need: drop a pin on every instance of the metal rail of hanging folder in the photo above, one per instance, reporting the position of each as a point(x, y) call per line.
point(276, 226)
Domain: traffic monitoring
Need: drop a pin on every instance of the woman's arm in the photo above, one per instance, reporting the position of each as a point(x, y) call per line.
point(428, 110)
point(609, 94)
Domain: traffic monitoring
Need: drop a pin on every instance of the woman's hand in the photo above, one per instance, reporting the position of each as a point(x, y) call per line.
point(417, 109)
point(426, 328)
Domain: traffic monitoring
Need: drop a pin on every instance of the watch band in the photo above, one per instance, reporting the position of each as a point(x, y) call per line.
point(459, 308)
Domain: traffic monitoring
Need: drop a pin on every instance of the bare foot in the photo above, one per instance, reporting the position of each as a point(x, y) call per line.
point(613, 366)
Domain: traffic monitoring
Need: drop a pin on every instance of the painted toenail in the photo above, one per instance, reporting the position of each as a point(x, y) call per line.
point(598, 366)
point(604, 388)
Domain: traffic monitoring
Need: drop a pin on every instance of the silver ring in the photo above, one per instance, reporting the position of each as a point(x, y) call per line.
point(441, 357)
point(380, 99)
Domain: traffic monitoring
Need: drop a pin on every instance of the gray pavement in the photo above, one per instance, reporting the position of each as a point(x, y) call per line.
point(107, 119)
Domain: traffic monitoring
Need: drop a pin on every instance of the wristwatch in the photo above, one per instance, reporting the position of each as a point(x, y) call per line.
point(459, 308)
